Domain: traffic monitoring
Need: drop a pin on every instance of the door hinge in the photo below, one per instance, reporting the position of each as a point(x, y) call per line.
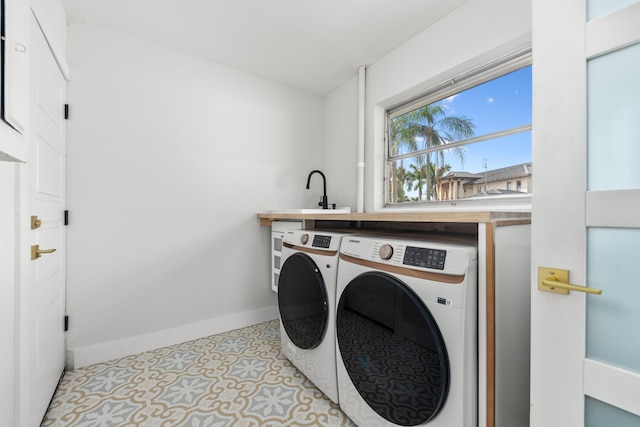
point(66, 323)
point(66, 111)
point(66, 217)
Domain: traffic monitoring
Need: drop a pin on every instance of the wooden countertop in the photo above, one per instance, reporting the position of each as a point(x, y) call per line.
point(405, 216)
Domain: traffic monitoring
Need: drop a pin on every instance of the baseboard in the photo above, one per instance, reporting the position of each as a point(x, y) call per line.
point(103, 352)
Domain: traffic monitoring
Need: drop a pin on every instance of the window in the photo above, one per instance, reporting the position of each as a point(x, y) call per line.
point(470, 132)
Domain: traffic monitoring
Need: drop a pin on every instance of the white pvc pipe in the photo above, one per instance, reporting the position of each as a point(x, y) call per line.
point(361, 125)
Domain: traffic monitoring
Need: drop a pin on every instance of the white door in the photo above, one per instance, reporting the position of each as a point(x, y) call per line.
point(585, 356)
point(43, 357)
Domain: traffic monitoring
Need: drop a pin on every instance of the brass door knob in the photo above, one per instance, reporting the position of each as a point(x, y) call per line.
point(35, 222)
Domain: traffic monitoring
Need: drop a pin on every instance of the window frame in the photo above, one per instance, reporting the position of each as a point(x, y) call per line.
point(491, 70)
point(2, 56)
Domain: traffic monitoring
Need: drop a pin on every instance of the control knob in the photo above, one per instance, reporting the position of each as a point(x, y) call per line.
point(304, 238)
point(385, 251)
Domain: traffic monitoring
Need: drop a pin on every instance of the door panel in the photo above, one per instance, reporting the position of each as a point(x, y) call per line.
point(612, 363)
point(612, 265)
point(599, 414)
point(48, 265)
point(613, 125)
point(43, 306)
point(584, 350)
point(598, 8)
point(49, 162)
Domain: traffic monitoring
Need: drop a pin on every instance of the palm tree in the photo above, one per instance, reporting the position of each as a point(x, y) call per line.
point(398, 176)
point(400, 135)
point(415, 177)
point(431, 125)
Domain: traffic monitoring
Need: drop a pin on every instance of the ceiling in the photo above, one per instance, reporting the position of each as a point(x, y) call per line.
point(313, 45)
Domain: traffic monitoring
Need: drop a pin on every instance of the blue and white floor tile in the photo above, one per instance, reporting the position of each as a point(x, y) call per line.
point(235, 379)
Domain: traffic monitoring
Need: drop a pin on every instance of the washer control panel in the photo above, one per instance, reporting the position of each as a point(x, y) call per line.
point(424, 257)
point(321, 241)
point(324, 241)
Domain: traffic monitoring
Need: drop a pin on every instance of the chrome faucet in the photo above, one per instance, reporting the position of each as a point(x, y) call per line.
point(323, 201)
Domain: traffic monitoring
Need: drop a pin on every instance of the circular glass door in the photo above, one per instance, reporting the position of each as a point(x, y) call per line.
point(302, 301)
point(392, 349)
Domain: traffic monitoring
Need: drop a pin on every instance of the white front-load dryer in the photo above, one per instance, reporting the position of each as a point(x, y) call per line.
point(406, 331)
point(306, 304)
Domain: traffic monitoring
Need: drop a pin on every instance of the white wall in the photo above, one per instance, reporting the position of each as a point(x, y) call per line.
point(340, 143)
point(169, 159)
point(474, 33)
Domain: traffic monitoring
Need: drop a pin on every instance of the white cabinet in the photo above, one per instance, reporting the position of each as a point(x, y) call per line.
point(15, 93)
point(16, 66)
point(18, 72)
point(278, 229)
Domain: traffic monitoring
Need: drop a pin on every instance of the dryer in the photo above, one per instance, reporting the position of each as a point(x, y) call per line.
point(406, 331)
point(306, 304)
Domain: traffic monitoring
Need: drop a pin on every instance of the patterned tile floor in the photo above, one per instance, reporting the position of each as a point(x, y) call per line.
point(236, 379)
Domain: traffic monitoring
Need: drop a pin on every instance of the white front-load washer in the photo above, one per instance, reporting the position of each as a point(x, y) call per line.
point(406, 331)
point(306, 304)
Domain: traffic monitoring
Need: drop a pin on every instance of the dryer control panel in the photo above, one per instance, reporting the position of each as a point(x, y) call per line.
point(424, 257)
point(415, 254)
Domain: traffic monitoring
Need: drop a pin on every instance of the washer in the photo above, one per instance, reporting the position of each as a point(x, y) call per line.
point(306, 303)
point(406, 331)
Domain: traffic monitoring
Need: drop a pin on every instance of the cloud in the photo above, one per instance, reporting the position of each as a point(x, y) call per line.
point(489, 100)
point(446, 103)
point(450, 99)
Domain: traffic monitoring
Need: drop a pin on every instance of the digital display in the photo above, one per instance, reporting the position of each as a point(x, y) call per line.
point(320, 241)
point(424, 257)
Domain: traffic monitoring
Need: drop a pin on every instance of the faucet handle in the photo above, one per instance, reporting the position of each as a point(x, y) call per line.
point(323, 202)
point(329, 205)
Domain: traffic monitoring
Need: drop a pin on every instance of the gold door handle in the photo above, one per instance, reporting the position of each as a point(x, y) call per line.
point(556, 280)
point(36, 251)
point(552, 282)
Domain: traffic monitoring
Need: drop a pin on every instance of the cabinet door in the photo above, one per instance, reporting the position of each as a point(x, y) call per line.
point(16, 66)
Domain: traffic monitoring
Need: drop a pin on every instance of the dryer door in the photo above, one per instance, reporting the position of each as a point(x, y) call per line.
point(392, 349)
point(302, 301)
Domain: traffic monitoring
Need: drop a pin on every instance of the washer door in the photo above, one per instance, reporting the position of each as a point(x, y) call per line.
point(392, 349)
point(302, 301)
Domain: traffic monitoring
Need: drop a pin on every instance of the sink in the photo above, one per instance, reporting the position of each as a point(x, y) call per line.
point(338, 210)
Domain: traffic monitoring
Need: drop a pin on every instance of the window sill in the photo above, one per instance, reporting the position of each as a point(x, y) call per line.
point(493, 204)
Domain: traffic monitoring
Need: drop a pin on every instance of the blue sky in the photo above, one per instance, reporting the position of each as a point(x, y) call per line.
point(496, 105)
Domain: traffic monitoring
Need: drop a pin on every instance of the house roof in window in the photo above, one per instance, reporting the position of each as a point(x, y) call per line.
point(495, 192)
point(459, 175)
point(510, 172)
